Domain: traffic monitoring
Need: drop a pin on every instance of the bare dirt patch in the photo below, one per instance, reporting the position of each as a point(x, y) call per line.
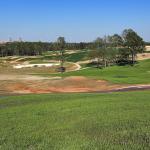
point(143, 56)
point(33, 84)
point(6, 77)
point(147, 48)
point(38, 85)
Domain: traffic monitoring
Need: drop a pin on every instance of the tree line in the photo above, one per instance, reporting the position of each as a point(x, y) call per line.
point(36, 48)
point(107, 50)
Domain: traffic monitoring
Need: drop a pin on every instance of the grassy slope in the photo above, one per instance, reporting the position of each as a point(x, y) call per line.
point(83, 55)
point(76, 121)
point(138, 74)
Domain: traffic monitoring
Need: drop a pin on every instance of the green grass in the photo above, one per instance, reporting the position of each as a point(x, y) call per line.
point(138, 74)
point(76, 121)
point(39, 61)
point(75, 57)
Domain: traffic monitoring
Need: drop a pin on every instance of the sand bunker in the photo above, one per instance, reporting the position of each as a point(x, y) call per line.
point(19, 66)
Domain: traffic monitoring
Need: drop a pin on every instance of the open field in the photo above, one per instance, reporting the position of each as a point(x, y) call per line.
point(85, 120)
point(46, 80)
point(74, 75)
point(76, 121)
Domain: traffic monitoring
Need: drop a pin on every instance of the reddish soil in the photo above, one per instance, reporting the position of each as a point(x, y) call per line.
point(66, 85)
point(70, 84)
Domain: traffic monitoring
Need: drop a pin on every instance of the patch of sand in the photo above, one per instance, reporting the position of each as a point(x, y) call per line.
point(147, 48)
point(39, 85)
point(143, 56)
point(6, 77)
point(69, 84)
point(19, 66)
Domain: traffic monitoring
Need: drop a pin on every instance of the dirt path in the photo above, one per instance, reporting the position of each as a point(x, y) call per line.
point(78, 67)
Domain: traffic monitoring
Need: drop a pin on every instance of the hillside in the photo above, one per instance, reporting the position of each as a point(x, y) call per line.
point(76, 121)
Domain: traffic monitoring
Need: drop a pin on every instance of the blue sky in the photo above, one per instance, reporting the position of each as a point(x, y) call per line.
point(77, 20)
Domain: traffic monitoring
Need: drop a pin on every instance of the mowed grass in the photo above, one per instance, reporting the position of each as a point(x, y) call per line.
point(137, 74)
point(113, 121)
point(75, 57)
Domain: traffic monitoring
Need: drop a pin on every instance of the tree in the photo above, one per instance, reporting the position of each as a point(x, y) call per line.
point(99, 42)
point(134, 42)
point(61, 44)
point(104, 56)
point(116, 40)
point(94, 57)
point(123, 56)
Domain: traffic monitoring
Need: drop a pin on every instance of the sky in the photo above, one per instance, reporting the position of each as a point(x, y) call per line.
point(76, 20)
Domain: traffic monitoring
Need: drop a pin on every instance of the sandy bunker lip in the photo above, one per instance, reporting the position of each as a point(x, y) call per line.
point(19, 66)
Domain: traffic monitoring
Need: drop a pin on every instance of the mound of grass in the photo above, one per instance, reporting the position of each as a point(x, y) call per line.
point(76, 121)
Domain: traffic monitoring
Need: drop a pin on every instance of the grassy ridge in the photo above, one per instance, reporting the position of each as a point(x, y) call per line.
point(76, 121)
